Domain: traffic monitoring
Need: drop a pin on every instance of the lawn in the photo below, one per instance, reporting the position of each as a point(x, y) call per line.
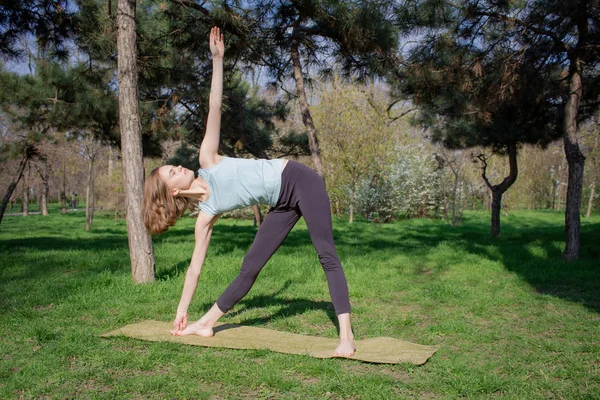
point(513, 320)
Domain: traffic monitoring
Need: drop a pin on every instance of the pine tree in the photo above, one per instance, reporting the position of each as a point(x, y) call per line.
point(51, 22)
point(294, 39)
point(499, 74)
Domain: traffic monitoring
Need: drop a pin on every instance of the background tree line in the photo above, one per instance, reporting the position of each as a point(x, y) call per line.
point(440, 85)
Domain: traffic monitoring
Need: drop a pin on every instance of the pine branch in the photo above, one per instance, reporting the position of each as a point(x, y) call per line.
point(483, 159)
point(557, 42)
point(192, 5)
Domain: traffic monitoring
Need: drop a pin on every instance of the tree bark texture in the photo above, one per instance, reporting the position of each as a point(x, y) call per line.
point(313, 141)
point(29, 151)
point(575, 161)
point(140, 241)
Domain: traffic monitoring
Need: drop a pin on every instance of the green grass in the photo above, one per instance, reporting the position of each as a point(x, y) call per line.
point(513, 320)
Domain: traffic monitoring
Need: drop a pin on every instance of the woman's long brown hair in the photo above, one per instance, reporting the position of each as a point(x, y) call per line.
point(161, 209)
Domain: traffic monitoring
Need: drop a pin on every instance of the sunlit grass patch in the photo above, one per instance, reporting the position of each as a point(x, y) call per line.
point(512, 319)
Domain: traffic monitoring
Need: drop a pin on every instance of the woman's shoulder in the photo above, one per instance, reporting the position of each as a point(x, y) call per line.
point(211, 162)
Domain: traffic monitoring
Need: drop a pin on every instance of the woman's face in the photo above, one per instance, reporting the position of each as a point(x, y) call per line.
point(176, 177)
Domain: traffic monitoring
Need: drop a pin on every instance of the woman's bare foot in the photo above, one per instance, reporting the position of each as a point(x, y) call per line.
point(197, 328)
point(204, 326)
point(345, 349)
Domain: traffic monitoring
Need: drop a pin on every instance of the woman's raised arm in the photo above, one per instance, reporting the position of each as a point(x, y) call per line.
point(210, 144)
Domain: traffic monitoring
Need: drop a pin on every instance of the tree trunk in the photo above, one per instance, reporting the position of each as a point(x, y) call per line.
point(111, 161)
point(44, 198)
point(44, 175)
point(313, 140)
point(576, 161)
point(595, 175)
point(500, 189)
point(591, 200)
point(258, 219)
point(15, 181)
point(63, 190)
point(496, 208)
point(553, 191)
point(460, 204)
point(454, 190)
point(89, 194)
point(25, 200)
point(445, 201)
point(140, 241)
point(351, 218)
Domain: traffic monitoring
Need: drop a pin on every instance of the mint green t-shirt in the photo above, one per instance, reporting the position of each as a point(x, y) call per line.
point(237, 183)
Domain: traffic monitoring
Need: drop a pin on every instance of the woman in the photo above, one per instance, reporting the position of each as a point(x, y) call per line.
point(224, 184)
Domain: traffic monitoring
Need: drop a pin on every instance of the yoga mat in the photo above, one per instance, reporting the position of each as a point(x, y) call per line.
point(382, 350)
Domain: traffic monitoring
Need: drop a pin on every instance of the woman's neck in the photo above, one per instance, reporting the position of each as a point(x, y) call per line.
point(199, 190)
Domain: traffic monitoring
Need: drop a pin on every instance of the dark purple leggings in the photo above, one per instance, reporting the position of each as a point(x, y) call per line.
point(302, 194)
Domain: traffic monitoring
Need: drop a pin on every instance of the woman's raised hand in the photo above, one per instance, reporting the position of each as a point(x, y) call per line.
point(217, 46)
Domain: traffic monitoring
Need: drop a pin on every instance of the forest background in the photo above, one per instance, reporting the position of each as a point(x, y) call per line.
point(407, 109)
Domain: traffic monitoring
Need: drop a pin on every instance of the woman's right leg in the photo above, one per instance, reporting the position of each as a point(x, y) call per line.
point(270, 235)
point(313, 202)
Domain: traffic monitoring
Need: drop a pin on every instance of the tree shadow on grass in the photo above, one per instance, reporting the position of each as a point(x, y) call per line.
point(534, 250)
point(59, 254)
point(529, 247)
point(286, 307)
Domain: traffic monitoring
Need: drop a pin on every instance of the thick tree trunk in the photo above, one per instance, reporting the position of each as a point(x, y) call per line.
point(29, 151)
point(140, 241)
point(576, 161)
point(591, 200)
point(89, 195)
point(313, 140)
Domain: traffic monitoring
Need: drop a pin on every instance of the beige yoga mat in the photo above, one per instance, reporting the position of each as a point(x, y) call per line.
point(383, 350)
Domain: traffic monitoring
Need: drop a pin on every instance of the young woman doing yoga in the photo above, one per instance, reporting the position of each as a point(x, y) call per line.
point(224, 184)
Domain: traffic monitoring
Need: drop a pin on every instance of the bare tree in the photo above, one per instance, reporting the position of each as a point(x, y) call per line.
point(27, 154)
point(91, 148)
point(499, 189)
